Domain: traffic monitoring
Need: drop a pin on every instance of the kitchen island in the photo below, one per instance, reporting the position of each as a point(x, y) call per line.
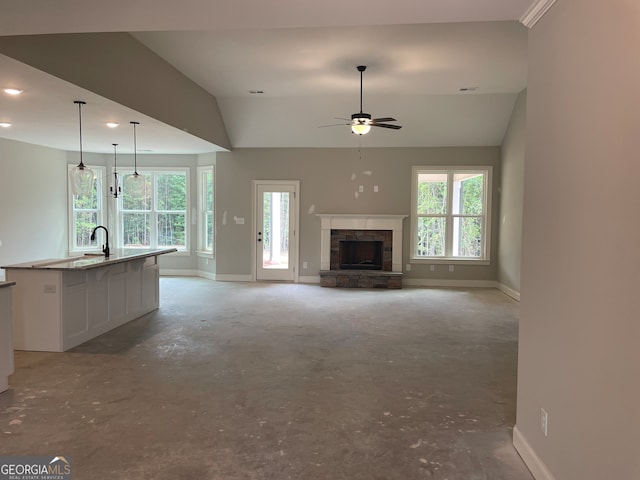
point(61, 303)
point(6, 345)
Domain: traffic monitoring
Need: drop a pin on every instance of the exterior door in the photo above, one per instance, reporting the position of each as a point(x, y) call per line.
point(276, 223)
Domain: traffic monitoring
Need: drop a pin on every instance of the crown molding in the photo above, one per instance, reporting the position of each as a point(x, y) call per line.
point(535, 12)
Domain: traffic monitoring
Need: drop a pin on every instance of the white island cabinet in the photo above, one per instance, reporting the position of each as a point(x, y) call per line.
point(61, 303)
point(6, 345)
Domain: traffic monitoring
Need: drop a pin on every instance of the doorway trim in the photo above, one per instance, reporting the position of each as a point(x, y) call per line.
point(294, 243)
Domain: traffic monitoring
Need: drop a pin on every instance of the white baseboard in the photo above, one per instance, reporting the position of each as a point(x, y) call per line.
point(315, 279)
point(170, 272)
point(225, 277)
point(309, 279)
point(509, 291)
point(430, 282)
point(536, 466)
point(207, 275)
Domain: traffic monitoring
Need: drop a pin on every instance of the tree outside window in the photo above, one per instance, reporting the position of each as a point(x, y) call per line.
point(157, 217)
point(450, 213)
point(86, 213)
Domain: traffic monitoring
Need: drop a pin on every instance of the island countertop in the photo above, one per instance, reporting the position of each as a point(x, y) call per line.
point(90, 260)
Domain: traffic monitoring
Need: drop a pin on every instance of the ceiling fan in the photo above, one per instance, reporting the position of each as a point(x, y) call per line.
point(362, 122)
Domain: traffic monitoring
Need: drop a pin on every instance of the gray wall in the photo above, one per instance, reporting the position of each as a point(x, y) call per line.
point(33, 202)
point(579, 330)
point(326, 186)
point(511, 192)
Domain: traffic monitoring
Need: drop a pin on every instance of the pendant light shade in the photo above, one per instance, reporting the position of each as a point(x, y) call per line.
point(82, 177)
point(115, 189)
point(134, 184)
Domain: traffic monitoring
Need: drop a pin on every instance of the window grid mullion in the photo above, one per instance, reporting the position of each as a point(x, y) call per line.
point(448, 243)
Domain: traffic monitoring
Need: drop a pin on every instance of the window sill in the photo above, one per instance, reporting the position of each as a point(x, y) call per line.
point(204, 254)
point(449, 261)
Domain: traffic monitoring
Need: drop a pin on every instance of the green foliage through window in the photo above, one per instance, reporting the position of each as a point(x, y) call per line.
point(157, 216)
point(85, 215)
point(450, 213)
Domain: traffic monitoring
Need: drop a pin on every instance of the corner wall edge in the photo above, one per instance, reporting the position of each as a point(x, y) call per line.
point(535, 12)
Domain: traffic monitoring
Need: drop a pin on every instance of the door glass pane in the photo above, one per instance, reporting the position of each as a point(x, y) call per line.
point(275, 230)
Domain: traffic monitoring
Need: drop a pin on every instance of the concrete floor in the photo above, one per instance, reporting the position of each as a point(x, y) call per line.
point(280, 381)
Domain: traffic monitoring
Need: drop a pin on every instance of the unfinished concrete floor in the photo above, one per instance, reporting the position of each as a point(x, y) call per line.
point(280, 381)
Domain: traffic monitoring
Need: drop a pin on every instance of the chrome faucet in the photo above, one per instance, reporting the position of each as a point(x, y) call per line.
point(105, 248)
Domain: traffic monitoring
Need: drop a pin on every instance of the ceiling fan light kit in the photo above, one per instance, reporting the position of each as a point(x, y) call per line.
point(361, 122)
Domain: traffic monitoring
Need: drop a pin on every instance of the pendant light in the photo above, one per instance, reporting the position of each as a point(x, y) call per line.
point(82, 177)
point(134, 183)
point(115, 189)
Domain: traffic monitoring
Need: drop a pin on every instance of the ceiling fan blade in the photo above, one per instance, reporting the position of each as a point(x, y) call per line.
point(334, 125)
point(386, 125)
point(386, 119)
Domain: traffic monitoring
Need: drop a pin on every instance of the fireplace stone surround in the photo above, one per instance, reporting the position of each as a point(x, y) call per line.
point(385, 228)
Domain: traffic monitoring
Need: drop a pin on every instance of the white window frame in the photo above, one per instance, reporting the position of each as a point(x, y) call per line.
point(153, 212)
point(202, 249)
point(100, 174)
point(448, 258)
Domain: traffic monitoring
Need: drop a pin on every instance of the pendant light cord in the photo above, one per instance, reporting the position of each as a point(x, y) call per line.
point(80, 103)
point(135, 149)
point(361, 90)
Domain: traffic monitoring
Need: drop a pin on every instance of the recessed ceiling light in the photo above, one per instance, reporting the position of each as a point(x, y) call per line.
point(5, 124)
point(13, 91)
point(112, 124)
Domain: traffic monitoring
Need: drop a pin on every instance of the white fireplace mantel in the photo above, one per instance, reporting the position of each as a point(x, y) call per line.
point(345, 221)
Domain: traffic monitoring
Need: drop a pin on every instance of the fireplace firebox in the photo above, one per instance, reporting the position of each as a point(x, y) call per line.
point(361, 254)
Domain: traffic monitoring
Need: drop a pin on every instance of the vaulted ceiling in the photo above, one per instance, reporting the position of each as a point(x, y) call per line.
point(449, 71)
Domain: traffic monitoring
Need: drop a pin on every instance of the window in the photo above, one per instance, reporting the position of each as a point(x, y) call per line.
point(85, 213)
point(158, 217)
point(205, 210)
point(450, 213)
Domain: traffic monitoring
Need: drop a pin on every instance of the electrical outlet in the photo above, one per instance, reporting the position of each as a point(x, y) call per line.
point(451, 268)
point(432, 268)
point(408, 267)
point(544, 421)
point(375, 188)
point(305, 265)
point(361, 188)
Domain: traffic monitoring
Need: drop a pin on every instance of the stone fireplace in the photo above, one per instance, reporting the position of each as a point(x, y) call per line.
point(361, 250)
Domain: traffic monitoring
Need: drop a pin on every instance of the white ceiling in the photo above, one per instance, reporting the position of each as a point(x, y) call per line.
point(302, 54)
